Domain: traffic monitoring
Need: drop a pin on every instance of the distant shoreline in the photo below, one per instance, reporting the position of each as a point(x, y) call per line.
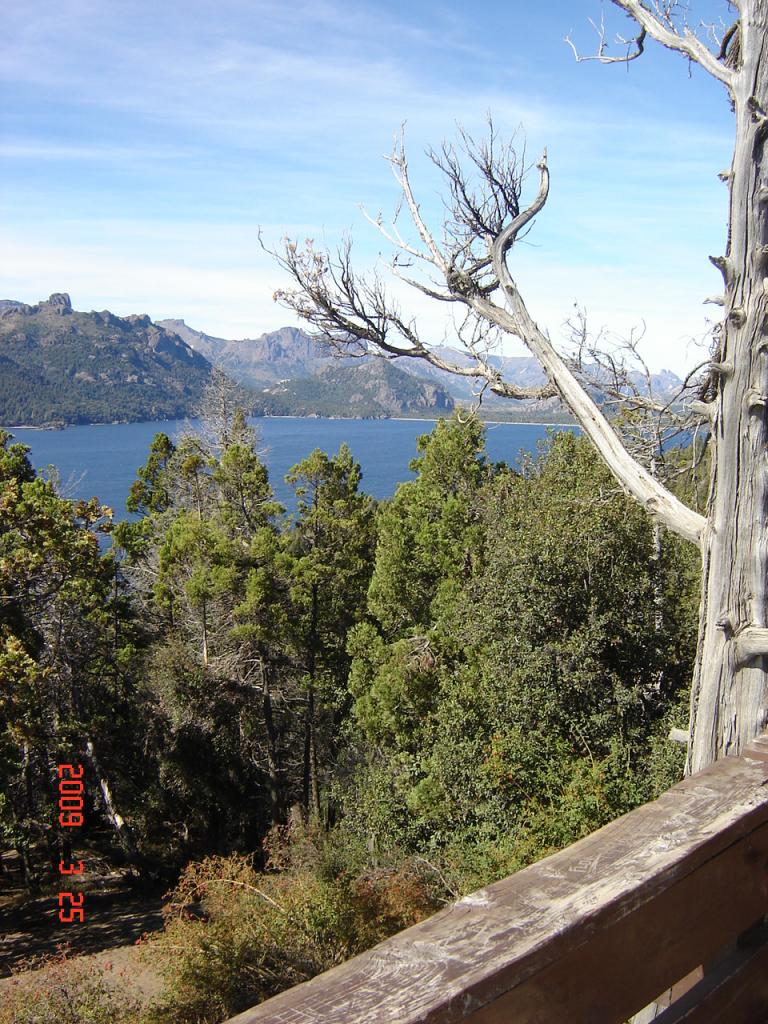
point(337, 419)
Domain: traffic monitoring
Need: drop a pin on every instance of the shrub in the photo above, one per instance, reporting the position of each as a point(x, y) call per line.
point(235, 937)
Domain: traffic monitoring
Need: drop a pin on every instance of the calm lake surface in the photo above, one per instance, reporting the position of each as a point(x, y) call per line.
point(101, 459)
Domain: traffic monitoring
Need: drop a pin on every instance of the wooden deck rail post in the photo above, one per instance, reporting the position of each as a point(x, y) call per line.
point(589, 935)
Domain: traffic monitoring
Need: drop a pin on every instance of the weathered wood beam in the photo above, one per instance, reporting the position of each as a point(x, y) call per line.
point(594, 932)
point(736, 989)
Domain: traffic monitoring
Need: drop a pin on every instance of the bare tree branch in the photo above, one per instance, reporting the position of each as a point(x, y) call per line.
point(652, 424)
point(355, 316)
point(400, 171)
point(634, 47)
point(657, 22)
point(484, 220)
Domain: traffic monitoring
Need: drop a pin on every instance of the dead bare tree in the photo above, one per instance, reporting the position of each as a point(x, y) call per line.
point(653, 422)
point(468, 267)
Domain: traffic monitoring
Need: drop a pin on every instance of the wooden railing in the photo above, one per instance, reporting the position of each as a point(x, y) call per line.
point(668, 901)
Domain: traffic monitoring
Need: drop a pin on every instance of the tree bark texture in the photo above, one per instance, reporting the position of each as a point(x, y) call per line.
point(728, 697)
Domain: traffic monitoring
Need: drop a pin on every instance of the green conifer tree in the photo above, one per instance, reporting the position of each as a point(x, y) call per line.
point(331, 548)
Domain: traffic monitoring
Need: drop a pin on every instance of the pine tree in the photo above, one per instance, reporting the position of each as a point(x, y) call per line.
point(331, 548)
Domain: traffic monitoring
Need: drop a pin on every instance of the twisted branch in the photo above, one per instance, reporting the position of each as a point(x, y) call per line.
point(657, 21)
point(355, 314)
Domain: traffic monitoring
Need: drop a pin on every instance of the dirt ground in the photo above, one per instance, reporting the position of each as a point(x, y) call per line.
point(123, 959)
point(116, 916)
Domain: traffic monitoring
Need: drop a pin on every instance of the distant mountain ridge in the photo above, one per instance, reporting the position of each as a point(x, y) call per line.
point(277, 355)
point(58, 365)
point(296, 375)
point(524, 372)
point(370, 390)
point(289, 355)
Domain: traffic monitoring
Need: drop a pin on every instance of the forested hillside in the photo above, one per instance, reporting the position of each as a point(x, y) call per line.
point(332, 722)
point(58, 365)
point(364, 391)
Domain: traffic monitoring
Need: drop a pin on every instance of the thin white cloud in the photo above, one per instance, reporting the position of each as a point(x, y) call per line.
point(227, 301)
point(35, 150)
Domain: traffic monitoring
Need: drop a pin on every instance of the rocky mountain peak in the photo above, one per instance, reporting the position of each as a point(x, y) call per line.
point(10, 307)
point(59, 303)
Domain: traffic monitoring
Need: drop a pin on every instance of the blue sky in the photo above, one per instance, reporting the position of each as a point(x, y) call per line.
point(143, 143)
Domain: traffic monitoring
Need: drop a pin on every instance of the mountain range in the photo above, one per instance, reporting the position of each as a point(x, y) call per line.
point(59, 366)
point(277, 362)
point(294, 374)
point(282, 362)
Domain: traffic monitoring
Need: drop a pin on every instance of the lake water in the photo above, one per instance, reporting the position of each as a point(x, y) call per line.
point(101, 459)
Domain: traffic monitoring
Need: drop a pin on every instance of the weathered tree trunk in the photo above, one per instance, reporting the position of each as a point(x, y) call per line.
point(119, 824)
point(273, 766)
point(728, 698)
point(657, 684)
